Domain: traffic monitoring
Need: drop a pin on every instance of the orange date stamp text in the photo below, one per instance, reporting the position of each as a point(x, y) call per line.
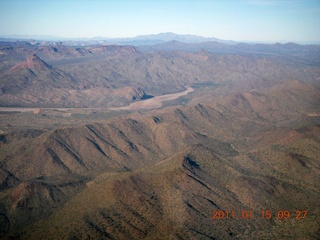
point(264, 214)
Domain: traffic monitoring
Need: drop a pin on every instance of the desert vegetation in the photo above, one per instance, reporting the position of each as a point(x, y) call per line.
point(84, 154)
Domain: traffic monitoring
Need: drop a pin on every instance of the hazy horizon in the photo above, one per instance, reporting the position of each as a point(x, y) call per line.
point(242, 21)
point(125, 40)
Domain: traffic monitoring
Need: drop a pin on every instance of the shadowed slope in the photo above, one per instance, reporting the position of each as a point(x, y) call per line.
point(162, 173)
point(34, 82)
point(100, 76)
point(176, 198)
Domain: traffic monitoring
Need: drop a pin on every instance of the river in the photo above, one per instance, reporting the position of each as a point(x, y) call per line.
point(155, 102)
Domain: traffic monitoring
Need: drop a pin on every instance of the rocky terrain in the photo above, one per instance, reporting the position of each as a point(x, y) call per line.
point(245, 140)
point(114, 76)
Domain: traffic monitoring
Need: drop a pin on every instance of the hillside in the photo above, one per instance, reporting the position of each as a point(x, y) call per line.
point(35, 83)
point(114, 76)
point(170, 141)
point(162, 173)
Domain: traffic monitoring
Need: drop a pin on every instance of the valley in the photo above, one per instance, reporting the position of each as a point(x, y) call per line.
point(147, 142)
point(155, 102)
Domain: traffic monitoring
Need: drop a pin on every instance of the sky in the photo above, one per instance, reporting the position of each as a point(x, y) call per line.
point(239, 20)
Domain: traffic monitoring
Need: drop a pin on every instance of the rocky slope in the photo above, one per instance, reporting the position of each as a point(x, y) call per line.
point(162, 174)
point(34, 83)
point(113, 76)
point(246, 141)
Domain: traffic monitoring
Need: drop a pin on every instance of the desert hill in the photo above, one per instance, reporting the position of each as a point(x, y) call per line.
point(163, 173)
point(34, 82)
point(245, 139)
point(101, 75)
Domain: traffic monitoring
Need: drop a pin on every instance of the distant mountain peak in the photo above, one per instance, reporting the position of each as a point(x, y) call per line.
point(169, 36)
point(152, 39)
point(34, 62)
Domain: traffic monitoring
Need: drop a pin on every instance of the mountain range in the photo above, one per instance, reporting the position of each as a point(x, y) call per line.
point(113, 76)
point(235, 158)
point(138, 40)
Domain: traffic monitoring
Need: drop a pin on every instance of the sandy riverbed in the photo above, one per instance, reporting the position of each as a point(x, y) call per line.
point(155, 102)
point(152, 103)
